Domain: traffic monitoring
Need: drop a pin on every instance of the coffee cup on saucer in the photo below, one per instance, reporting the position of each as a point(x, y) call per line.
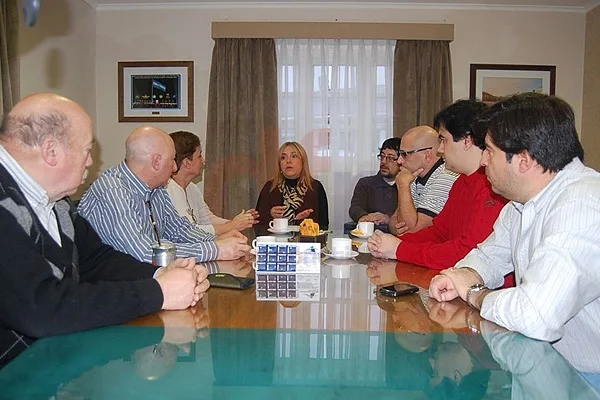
point(279, 224)
point(263, 240)
point(366, 228)
point(341, 247)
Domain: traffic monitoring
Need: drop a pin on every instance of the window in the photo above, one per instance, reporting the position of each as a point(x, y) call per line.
point(335, 98)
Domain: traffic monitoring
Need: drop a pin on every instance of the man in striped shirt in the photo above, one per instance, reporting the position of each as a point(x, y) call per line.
point(129, 207)
point(423, 183)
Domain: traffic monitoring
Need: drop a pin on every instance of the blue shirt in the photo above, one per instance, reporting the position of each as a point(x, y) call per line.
point(115, 206)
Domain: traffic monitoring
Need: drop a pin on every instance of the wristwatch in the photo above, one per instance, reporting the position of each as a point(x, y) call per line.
point(478, 287)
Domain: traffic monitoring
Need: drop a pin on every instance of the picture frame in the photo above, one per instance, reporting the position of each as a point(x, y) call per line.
point(492, 82)
point(156, 91)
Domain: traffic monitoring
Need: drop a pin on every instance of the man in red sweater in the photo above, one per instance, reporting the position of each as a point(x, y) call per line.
point(472, 208)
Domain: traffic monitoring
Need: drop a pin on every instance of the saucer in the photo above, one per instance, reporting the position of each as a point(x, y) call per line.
point(351, 254)
point(360, 236)
point(280, 232)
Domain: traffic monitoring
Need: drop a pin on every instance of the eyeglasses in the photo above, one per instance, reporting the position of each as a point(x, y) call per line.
point(190, 212)
point(405, 154)
point(386, 158)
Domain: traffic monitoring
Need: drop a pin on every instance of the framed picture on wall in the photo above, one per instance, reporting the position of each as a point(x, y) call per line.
point(156, 91)
point(493, 82)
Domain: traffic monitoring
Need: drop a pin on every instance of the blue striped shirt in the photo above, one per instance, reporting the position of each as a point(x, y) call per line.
point(115, 206)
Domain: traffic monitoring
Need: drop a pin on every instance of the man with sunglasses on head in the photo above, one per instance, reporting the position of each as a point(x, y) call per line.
point(468, 217)
point(374, 199)
point(423, 182)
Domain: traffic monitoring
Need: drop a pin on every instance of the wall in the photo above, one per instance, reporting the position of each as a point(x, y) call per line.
point(591, 90)
point(74, 50)
point(58, 54)
point(183, 33)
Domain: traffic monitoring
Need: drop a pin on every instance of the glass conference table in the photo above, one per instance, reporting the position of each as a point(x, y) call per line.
point(328, 335)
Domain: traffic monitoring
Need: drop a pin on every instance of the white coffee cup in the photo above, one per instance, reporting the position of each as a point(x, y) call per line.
point(341, 247)
point(262, 240)
point(366, 228)
point(279, 224)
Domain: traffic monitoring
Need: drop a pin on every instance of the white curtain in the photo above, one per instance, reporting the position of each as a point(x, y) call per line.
point(335, 98)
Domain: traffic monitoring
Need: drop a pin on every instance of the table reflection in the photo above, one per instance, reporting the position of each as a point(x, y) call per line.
point(345, 341)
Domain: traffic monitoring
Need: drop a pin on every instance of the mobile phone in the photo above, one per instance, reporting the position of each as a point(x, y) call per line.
point(229, 281)
point(399, 289)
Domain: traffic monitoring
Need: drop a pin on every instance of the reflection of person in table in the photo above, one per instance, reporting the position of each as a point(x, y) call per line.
point(382, 272)
point(293, 193)
point(435, 367)
point(537, 370)
point(75, 364)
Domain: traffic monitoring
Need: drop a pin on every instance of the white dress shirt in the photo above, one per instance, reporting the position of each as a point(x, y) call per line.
point(552, 243)
point(35, 195)
point(191, 201)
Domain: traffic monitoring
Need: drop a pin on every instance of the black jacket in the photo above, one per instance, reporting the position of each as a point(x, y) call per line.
point(46, 289)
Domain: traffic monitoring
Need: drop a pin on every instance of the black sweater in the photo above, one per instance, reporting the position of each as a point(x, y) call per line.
point(101, 286)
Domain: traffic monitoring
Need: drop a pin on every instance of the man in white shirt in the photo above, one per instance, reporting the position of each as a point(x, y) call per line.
point(187, 197)
point(549, 234)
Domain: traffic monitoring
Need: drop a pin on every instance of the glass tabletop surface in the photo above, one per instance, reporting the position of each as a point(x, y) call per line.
point(134, 362)
point(324, 334)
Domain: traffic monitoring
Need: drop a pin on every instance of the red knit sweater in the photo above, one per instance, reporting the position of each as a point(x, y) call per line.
point(466, 220)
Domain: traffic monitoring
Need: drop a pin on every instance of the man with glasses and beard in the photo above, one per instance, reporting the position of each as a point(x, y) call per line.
point(423, 182)
point(374, 199)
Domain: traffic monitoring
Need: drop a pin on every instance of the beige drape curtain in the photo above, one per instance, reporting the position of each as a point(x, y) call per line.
point(9, 55)
point(242, 123)
point(422, 82)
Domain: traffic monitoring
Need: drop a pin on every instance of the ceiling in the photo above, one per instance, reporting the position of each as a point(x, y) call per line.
point(562, 4)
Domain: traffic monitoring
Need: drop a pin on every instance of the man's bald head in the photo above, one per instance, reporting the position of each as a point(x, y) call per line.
point(145, 141)
point(420, 137)
point(51, 138)
point(150, 154)
point(40, 115)
point(418, 149)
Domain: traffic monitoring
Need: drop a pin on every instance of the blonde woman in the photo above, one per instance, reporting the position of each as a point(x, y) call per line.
point(293, 193)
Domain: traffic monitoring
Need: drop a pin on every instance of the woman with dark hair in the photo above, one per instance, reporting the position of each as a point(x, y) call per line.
point(293, 193)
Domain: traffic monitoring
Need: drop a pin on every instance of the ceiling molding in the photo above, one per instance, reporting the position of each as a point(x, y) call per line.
point(592, 5)
point(332, 5)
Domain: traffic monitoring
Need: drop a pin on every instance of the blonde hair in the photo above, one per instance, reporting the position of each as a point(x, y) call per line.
point(305, 176)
